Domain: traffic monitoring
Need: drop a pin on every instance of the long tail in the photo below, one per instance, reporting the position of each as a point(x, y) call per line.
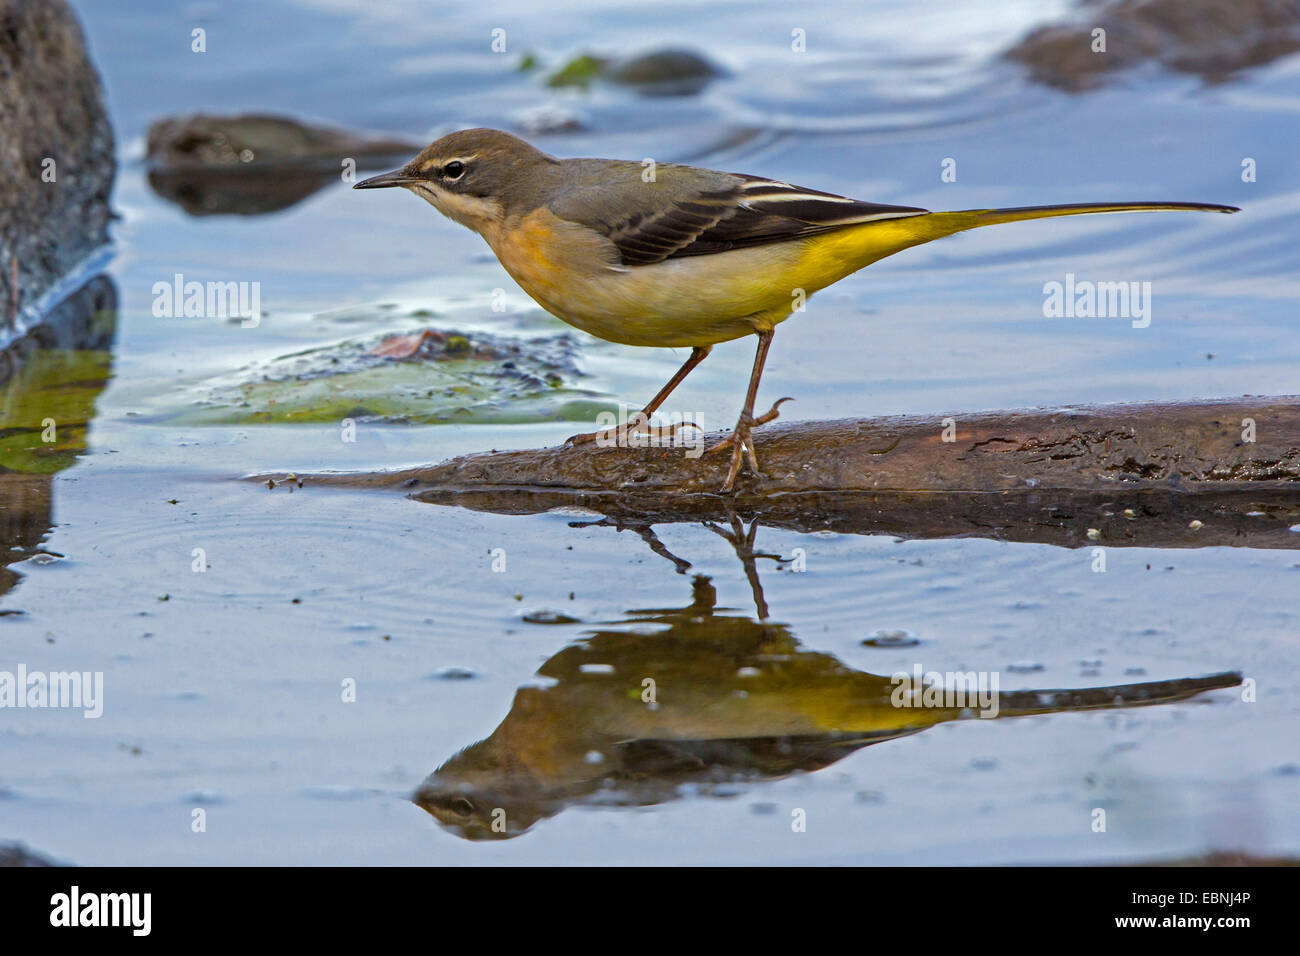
point(884, 237)
point(1022, 703)
point(971, 218)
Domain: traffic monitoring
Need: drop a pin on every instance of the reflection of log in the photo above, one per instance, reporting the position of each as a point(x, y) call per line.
point(1136, 474)
point(1160, 519)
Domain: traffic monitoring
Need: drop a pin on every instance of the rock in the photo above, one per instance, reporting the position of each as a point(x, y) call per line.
point(428, 377)
point(256, 140)
point(56, 150)
point(665, 73)
point(256, 163)
point(1211, 38)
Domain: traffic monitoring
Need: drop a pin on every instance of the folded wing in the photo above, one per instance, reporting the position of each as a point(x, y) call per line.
point(689, 212)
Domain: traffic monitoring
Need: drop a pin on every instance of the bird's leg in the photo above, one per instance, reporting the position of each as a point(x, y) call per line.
point(647, 534)
point(743, 542)
point(640, 422)
point(740, 441)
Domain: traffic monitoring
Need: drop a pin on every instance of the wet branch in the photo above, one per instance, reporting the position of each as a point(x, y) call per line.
point(1164, 475)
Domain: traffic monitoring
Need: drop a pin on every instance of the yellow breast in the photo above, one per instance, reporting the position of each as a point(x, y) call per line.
point(573, 273)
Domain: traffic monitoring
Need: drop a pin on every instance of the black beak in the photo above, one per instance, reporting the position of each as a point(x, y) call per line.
point(384, 180)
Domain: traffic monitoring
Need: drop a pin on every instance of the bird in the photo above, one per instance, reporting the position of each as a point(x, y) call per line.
point(669, 255)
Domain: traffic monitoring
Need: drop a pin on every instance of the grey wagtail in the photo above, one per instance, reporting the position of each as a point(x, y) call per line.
point(675, 255)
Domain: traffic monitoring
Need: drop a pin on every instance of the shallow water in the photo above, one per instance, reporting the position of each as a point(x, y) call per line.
point(222, 688)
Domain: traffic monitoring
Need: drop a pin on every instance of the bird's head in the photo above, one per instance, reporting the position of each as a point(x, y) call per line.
point(477, 177)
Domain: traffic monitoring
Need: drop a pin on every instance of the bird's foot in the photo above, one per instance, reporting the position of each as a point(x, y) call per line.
point(741, 443)
point(631, 434)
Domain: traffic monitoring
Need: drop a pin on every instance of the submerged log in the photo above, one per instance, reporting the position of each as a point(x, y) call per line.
point(1158, 475)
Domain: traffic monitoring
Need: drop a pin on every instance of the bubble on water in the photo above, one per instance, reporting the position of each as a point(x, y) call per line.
point(453, 673)
point(202, 796)
point(539, 683)
point(549, 617)
point(892, 639)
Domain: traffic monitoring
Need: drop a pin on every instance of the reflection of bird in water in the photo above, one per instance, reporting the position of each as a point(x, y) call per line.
point(629, 716)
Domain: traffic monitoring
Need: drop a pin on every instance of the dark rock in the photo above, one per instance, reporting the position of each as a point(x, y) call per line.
point(665, 73)
point(51, 108)
point(253, 140)
point(658, 73)
point(255, 163)
point(1210, 38)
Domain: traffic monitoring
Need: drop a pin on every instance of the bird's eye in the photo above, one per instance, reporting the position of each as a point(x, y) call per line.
point(453, 170)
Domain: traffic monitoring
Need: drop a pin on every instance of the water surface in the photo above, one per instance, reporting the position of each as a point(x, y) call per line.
point(223, 688)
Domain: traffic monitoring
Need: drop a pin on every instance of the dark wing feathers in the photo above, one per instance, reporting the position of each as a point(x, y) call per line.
point(684, 228)
point(718, 213)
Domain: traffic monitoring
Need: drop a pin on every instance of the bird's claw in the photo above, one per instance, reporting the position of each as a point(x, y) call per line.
point(774, 412)
point(620, 437)
point(741, 443)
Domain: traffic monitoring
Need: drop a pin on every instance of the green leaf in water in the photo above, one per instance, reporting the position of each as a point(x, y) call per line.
point(579, 71)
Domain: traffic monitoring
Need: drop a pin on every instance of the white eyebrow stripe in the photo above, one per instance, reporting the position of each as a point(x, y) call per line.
point(436, 163)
